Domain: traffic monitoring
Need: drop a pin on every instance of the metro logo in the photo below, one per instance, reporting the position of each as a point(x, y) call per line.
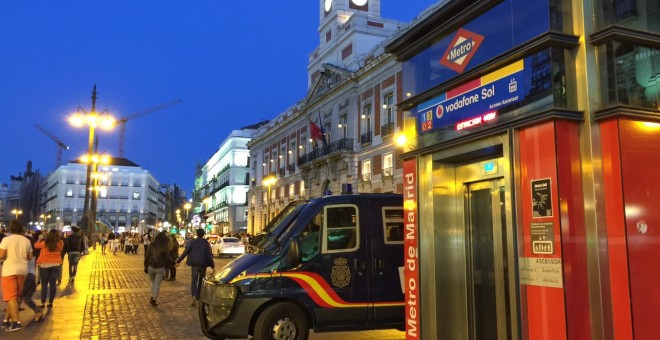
point(461, 49)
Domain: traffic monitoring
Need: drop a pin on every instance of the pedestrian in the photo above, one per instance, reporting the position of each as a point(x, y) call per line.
point(155, 261)
point(15, 251)
point(50, 265)
point(146, 239)
point(74, 246)
point(104, 243)
point(30, 284)
point(136, 243)
point(200, 257)
point(94, 239)
point(63, 237)
point(170, 272)
point(113, 241)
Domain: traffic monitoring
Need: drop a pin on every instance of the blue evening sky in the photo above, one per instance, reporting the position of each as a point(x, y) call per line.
point(233, 63)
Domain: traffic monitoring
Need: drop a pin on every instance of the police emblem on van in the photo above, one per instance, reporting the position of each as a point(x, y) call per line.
point(461, 49)
point(341, 275)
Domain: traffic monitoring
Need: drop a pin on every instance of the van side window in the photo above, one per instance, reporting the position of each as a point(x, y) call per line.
point(310, 238)
point(393, 224)
point(341, 229)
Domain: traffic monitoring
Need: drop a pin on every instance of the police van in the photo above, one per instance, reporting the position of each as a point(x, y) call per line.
point(328, 264)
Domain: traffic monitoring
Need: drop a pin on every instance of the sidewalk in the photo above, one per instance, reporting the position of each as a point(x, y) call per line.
point(110, 300)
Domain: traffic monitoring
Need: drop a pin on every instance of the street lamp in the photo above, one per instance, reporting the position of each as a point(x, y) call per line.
point(187, 206)
point(17, 212)
point(93, 120)
point(269, 181)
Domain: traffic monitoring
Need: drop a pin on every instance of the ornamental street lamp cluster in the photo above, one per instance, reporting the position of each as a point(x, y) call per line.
point(16, 212)
point(92, 120)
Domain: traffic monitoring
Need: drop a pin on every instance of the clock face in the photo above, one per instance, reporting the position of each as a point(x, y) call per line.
point(359, 2)
point(328, 5)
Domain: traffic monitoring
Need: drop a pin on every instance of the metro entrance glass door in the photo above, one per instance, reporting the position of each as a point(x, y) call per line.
point(487, 272)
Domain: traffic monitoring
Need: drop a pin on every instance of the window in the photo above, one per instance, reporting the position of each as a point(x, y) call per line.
point(310, 238)
point(103, 193)
point(388, 166)
point(265, 198)
point(291, 190)
point(302, 188)
point(343, 129)
point(637, 14)
point(365, 137)
point(69, 192)
point(136, 195)
point(341, 229)
point(388, 105)
point(630, 74)
point(393, 224)
point(366, 171)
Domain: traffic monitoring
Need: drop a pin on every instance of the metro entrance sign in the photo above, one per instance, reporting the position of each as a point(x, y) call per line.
point(491, 92)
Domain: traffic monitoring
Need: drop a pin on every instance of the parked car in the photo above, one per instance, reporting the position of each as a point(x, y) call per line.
point(228, 246)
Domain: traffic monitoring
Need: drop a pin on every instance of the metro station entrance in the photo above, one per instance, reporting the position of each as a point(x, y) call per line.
point(474, 244)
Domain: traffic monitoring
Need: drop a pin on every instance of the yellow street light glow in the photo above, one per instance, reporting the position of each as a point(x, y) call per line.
point(77, 120)
point(186, 206)
point(401, 139)
point(105, 159)
point(107, 123)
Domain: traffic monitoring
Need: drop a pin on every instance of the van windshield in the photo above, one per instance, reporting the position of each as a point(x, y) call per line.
point(263, 241)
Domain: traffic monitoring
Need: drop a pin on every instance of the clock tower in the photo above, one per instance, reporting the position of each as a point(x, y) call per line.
point(348, 30)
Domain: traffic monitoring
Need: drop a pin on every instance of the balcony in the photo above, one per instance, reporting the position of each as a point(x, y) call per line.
point(342, 145)
point(365, 138)
point(365, 177)
point(388, 172)
point(387, 129)
point(280, 172)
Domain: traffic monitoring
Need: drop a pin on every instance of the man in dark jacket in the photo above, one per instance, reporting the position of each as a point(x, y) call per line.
point(73, 246)
point(199, 256)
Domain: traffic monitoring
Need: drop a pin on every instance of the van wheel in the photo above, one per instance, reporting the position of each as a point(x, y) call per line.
point(282, 321)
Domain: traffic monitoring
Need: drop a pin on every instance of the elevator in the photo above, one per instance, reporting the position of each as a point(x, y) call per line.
point(473, 297)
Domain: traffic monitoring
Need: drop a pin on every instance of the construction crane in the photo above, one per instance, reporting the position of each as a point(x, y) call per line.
point(60, 145)
point(122, 122)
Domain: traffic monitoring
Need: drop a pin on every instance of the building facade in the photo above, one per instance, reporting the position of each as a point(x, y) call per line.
point(221, 186)
point(338, 138)
point(128, 197)
point(531, 195)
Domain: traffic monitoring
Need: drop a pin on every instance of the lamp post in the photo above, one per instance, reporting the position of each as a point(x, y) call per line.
point(91, 119)
point(269, 181)
point(93, 185)
point(17, 212)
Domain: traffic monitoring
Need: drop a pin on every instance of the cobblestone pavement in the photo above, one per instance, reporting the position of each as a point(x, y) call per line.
point(110, 300)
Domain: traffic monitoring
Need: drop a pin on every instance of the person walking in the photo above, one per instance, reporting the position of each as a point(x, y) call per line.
point(30, 284)
point(50, 265)
point(200, 257)
point(73, 247)
point(94, 239)
point(155, 261)
point(170, 272)
point(15, 251)
point(104, 243)
point(146, 239)
point(62, 237)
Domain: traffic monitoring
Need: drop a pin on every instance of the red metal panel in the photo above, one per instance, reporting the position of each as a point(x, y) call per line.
point(543, 308)
point(410, 253)
point(640, 159)
point(573, 232)
point(616, 233)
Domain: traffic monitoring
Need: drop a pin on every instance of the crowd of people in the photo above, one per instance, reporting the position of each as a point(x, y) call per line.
point(30, 259)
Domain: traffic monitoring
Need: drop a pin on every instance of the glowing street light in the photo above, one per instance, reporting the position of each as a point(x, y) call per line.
point(269, 181)
point(92, 120)
point(17, 212)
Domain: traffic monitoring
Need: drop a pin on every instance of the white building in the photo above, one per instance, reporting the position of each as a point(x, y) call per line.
point(221, 186)
point(129, 198)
